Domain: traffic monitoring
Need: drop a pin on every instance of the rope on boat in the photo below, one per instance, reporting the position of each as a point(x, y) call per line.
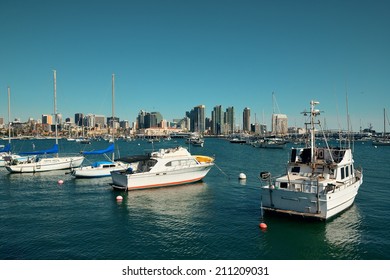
point(222, 171)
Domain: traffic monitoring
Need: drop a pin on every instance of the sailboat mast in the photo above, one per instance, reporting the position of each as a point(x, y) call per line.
point(113, 111)
point(384, 122)
point(9, 115)
point(55, 105)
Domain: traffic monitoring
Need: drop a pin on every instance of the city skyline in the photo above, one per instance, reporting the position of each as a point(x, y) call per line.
point(169, 56)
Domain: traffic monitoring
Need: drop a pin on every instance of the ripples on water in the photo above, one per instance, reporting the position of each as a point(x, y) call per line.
point(214, 219)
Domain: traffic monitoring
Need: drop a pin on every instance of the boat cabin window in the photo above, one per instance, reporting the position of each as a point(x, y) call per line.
point(296, 169)
point(342, 173)
point(347, 171)
point(283, 185)
point(181, 162)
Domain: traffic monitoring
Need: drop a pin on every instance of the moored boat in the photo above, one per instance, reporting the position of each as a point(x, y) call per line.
point(320, 181)
point(102, 168)
point(166, 167)
point(45, 160)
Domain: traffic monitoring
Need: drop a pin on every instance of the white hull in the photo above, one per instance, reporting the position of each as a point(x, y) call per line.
point(46, 164)
point(306, 204)
point(96, 172)
point(17, 157)
point(320, 182)
point(159, 179)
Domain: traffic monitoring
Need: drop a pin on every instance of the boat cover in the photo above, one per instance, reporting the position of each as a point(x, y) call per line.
point(98, 163)
point(99, 152)
point(6, 149)
point(53, 150)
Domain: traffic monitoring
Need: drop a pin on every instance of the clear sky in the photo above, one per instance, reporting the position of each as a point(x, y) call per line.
point(171, 55)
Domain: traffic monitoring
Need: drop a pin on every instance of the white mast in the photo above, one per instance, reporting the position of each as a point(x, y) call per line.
point(55, 106)
point(113, 112)
point(9, 115)
point(313, 113)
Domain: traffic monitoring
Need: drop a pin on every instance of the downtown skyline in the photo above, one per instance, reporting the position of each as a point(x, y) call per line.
point(169, 56)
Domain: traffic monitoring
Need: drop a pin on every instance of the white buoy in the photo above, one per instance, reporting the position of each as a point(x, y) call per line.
point(60, 182)
point(242, 176)
point(119, 198)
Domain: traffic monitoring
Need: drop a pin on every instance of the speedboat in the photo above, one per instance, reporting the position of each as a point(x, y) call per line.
point(166, 167)
point(320, 181)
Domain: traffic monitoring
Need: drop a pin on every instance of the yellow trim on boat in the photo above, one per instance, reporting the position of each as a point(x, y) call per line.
point(205, 159)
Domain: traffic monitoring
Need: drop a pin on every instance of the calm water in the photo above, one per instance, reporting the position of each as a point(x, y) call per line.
point(215, 219)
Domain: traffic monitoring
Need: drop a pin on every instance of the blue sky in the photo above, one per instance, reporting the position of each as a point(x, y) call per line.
point(172, 55)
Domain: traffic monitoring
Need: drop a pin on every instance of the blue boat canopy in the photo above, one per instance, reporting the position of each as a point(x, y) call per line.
point(6, 148)
point(99, 152)
point(53, 150)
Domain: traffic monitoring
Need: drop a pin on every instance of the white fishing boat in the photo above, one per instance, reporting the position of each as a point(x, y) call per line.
point(166, 167)
point(195, 139)
point(102, 168)
point(320, 181)
point(46, 160)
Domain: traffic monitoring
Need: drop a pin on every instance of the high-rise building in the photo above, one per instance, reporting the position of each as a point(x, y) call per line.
point(111, 123)
point(100, 121)
point(217, 120)
point(246, 119)
point(47, 119)
point(279, 124)
point(229, 120)
point(148, 120)
point(78, 119)
point(197, 117)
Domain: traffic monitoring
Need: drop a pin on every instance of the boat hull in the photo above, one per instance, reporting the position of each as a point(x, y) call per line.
point(305, 204)
point(46, 164)
point(121, 180)
point(95, 172)
point(3, 162)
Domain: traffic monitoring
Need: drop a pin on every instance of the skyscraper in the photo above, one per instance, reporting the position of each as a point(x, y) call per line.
point(279, 124)
point(198, 119)
point(246, 119)
point(217, 120)
point(230, 120)
point(47, 119)
point(78, 119)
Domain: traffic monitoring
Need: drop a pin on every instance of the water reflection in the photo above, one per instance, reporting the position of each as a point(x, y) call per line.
point(343, 234)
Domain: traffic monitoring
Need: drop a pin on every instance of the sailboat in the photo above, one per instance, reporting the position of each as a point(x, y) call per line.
point(5, 152)
point(41, 161)
point(384, 140)
point(320, 181)
point(102, 168)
